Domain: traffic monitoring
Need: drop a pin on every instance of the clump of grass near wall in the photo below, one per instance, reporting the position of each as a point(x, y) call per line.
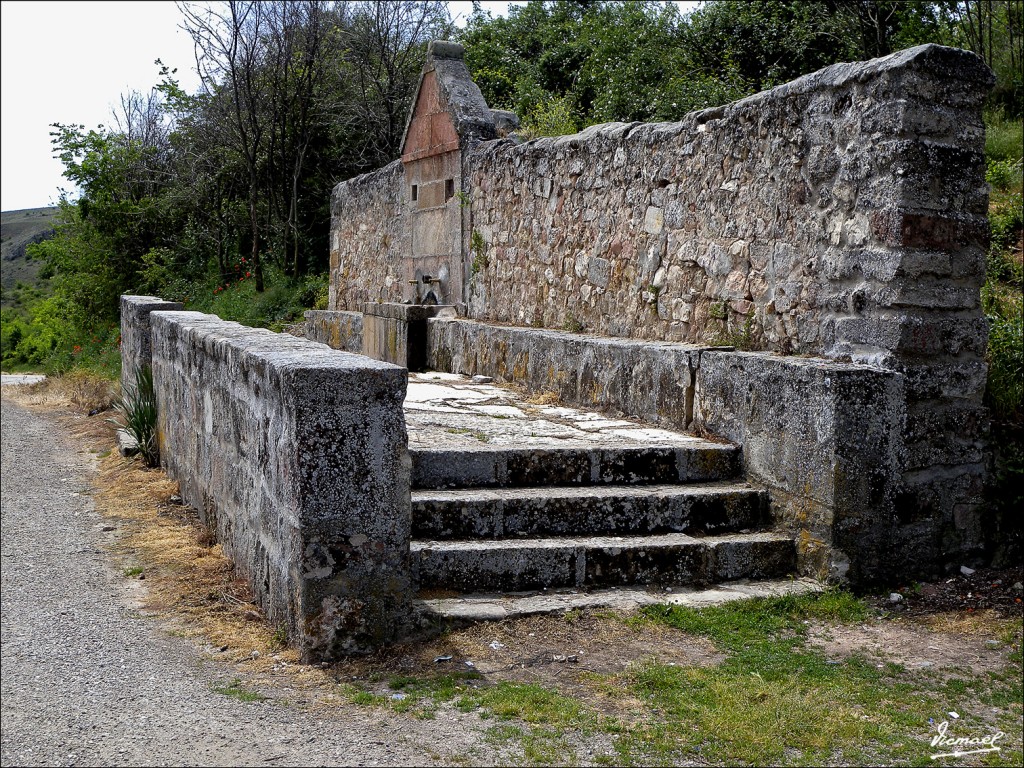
point(1003, 304)
point(138, 414)
point(1003, 136)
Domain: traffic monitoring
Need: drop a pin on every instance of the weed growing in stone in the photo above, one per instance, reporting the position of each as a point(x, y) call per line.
point(572, 324)
point(279, 640)
point(478, 247)
point(481, 436)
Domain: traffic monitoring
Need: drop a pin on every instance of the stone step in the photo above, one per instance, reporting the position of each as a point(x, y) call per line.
point(504, 466)
point(456, 609)
point(509, 565)
point(586, 510)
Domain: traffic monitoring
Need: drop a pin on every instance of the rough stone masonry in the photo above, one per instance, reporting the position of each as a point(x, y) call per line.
point(840, 216)
point(296, 456)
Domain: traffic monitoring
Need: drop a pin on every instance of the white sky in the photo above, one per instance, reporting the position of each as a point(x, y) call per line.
point(69, 62)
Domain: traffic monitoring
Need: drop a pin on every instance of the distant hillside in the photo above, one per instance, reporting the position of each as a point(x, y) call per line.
point(19, 229)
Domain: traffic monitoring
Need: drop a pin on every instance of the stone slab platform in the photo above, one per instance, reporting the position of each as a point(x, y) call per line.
point(447, 411)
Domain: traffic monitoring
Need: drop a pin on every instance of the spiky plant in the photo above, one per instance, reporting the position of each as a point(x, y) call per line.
point(137, 409)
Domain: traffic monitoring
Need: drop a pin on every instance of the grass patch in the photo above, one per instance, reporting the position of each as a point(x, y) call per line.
point(133, 571)
point(418, 695)
point(538, 746)
point(775, 700)
point(483, 437)
point(237, 691)
point(530, 703)
point(741, 624)
point(1004, 137)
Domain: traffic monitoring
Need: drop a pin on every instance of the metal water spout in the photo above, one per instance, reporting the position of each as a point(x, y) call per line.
point(426, 283)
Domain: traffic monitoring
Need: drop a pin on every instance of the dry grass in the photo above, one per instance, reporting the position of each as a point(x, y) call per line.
point(983, 624)
point(542, 398)
point(188, 577)
point(79, 390)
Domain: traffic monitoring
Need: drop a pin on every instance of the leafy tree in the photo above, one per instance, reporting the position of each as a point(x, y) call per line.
point(993, 29)
point(591, 62)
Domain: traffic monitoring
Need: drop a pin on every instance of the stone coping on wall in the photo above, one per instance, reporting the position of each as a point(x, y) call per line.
point(136, 348)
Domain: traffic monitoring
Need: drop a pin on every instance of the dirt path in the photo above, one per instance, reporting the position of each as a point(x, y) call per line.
point(86, 681)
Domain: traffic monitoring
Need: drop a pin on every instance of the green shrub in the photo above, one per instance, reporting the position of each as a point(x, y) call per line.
point(1006, 218)
point(1003, 174)
point(1005, 390)
point(553, 116)
point(283, 300)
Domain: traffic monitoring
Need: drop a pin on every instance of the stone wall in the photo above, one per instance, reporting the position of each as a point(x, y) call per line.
point(827, 440)
point(371, 240)
point(652, 381)
point(842, 215)
point(338, 330)
point(296, 455)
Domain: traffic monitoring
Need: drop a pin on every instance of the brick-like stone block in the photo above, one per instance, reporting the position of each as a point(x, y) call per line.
point(296, 455)
point(338, 330)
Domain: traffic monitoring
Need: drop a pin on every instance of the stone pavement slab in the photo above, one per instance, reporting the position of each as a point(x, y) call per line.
point(447, 410)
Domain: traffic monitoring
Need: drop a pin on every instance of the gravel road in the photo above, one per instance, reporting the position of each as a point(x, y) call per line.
point(85, 681)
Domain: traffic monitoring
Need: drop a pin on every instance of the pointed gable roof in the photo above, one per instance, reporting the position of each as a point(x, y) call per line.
point(448, 108)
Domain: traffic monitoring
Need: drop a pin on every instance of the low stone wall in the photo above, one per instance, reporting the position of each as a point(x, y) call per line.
point(645, 380)
point(296, 455)
point(825, 438)
point(136, 347)
point(338, 330)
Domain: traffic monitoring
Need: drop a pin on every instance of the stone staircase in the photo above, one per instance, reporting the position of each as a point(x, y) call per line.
point(508, 519)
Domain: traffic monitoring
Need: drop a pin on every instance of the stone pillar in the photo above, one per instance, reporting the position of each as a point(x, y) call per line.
point(904, 280)
point(136, 347)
